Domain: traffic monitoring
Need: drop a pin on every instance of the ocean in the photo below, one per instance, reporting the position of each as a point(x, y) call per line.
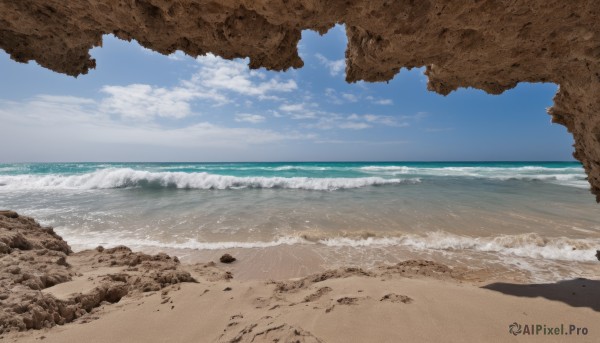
point(536, 219)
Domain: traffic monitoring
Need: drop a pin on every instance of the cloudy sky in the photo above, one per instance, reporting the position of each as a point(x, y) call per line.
point(142, 106)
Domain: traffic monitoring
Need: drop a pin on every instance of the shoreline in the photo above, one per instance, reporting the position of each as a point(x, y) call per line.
point(300, 260)
point(115, 294)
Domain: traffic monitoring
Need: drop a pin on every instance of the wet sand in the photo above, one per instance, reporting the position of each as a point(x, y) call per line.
point(294, 261)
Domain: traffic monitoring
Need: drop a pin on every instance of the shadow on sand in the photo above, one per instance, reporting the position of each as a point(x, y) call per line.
point(576, 292)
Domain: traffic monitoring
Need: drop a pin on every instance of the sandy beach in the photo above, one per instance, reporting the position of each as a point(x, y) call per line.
point(51, 294)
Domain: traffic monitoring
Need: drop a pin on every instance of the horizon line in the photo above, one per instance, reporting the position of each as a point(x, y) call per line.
point(313, 161)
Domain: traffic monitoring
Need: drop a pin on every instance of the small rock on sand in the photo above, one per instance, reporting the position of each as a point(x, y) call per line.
point(227, 258)
point(598, 254)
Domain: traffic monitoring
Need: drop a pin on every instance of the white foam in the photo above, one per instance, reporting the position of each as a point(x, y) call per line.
point(390, 168)
point(525, 245)
point(529, 245)
point(91, 241)
point(310, 168)
point(571, 176)
point(471, 169)
point(126, 177)
point(236, 167)
point(583, 184)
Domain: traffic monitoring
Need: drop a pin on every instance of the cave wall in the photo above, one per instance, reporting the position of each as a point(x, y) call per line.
point(486, 44)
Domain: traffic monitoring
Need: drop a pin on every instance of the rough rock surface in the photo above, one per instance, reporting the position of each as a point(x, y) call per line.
point(486, 44)
point(226, 258)
point(34, 258)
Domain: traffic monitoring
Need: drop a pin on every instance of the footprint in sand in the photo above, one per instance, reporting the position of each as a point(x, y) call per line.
point(343, 301)
point(265, 329)
point(396, 298)
point(347, 301)
point(318, 294)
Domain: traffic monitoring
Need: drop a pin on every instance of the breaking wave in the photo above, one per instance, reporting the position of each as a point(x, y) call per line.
point(573, 176)
point(127, 178)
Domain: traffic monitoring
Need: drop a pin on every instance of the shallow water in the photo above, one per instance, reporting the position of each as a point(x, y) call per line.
point(538, 217)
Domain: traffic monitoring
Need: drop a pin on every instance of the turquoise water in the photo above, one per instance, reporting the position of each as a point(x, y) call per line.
point(529, 211)
point(316, 176)
point(287, 169)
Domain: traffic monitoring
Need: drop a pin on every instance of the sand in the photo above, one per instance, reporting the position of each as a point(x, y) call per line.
point(411, 301)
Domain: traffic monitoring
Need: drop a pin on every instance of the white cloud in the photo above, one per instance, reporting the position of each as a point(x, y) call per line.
point(350, 97)
point(339, 99)
point(144, 102)
point(327, 121)
point(275, 114)
point(378, 119)
point(218, 74)
point(416, 117)
point(57, 122)
point(330, 121)
point(217, 80)
point(379, 101)
point(335, 67)
point(44, 108)
point(299, 110)
point(249, 118)
point(383, 102)
point(64, 100)
point(292, 107)
point(384, 120)
point(177, 56)
point(360, 142)
point(331, 94)
point(354, 125)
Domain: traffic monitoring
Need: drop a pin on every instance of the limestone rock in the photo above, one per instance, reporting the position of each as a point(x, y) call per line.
point(33, 258)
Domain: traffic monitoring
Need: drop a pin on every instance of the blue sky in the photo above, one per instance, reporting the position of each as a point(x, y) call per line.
point(138, 105)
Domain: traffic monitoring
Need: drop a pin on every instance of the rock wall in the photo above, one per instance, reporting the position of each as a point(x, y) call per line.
point(486, 44)
point(34, 258)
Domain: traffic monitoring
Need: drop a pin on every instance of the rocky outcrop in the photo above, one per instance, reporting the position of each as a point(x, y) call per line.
point(24, 234)
point(34, 258)
point(489, 44)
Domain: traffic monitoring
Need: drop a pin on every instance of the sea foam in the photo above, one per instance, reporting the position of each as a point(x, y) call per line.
point(530, 245)
point(573, 176)
point(126, 177)
point(524, 245)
